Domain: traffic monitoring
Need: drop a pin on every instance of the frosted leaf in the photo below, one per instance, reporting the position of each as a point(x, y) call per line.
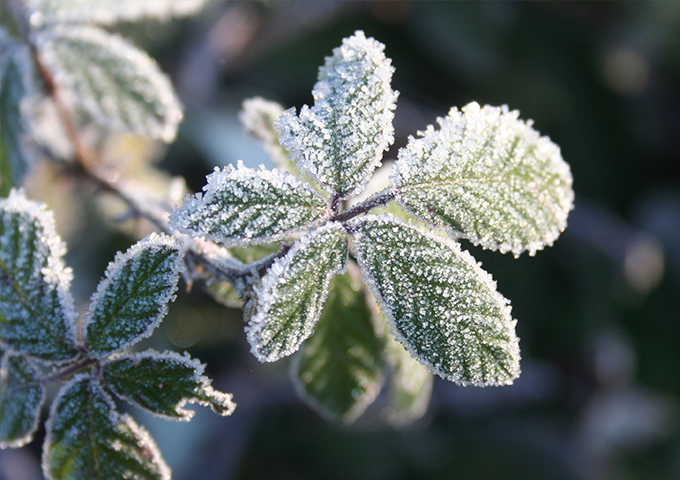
point(489, 177)
point(163, 383)
point(440, 304)
point(87, 439)
point(117, 84)
point(133, 297)
point(108, 11)
point(339, 368)
point(258, 117)
point(21, 396)
point(243, 205)
point(15, 89)
point(37, 316)
point(341, 139)
point(292, 293)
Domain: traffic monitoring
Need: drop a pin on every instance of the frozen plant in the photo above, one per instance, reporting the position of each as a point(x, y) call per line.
point(483, 175)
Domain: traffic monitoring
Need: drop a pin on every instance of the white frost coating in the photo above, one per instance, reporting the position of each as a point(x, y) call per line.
point(291, 295)
point(440, 304)
point(489, 177)
point(45, 12)
point(341, 139)
point(44, 254)
point(245, 206)
point(112, 331)
point(204, 383)
point(258, 116)
point(115, 82)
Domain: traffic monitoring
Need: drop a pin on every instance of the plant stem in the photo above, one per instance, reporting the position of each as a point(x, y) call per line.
point(61, 375)
point(377, 200)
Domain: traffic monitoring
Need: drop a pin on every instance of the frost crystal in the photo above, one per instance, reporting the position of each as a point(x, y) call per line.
point(489, 177)
point(132, 299)
point(87, 438)
point(36, 308)
point(117, 84)
point(341, 139)
point(163, 383)
point(292, 293)
point(243, 205)
point(440, 304)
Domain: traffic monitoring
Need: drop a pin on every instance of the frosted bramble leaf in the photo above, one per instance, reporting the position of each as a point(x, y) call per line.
point(37, 316)
point(87, 439)
point(117, 84)
point(440, 304)
point(258, 117)
point(244, 205)
point(108, 11)
point(339, 368)
point(133, 297)
point(489, 177)
point(292, 293)
point(21, 396)
point(163, 383)
point(341, 139)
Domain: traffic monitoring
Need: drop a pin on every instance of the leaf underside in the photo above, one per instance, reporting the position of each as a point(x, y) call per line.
point(441, 305)
point(489, 177)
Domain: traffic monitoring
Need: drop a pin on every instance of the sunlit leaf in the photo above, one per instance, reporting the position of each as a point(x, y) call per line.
point(88, 439)
point(341, 139)
point(292, 293)
point(339, 368)
point(440, 304)
point(21, 396)
point(163, 383)
point(133, 297)
point(36, 308)
point(117, 84)
point(241, 205)
point(489, 177)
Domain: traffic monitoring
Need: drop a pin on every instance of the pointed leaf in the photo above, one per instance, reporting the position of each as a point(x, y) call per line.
point(489, 177)
point(440, 304)
point(21, 397)
point(293, 291)
point(37, 316)
point(88, 439)
point(132, 299)
point(243, 205)
point(117, 84)
point(109, 11)
point(341, 139)
point(163, 383)
point(339, 368)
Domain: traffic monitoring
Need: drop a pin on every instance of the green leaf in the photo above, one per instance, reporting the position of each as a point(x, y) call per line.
point(14, 90)
point(243, 205)
point(339, 368)
point(163, 383)
point(293, 291)
point(117, 84)
point(87, 439)
point(37, 316)
point(224, 292)
point(341, 139)
point(132, 299)
point(440, 304)
point(21, 397)
point(258, 117)
point(489, 177)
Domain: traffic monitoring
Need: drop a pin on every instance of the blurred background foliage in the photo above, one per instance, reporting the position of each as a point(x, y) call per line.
point(599, 313)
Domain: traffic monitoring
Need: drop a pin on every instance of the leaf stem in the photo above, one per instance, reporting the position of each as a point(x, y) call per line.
point(381, 198)
point(64, 373)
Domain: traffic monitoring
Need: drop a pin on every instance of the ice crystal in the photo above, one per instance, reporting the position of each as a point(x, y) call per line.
point(87, 438)
point(163, 383)
point(36, 308)
point(21, 396)
point(489, 177)
point(341, 139)
point(292, 293)
point(243, 205)
point(117, 84)
point(132, 299)
point(441, 305)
